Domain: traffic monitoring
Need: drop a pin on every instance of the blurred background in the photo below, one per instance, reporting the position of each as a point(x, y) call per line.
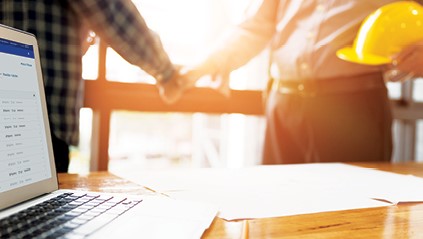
point(172, 139)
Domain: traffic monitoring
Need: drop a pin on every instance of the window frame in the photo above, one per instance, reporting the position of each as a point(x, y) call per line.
point(104, 96)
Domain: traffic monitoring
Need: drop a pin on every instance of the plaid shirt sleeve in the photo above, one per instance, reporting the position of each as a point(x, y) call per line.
point(120, 24)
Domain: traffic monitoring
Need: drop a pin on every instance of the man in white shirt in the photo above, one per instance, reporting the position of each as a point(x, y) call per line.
point(319, 108)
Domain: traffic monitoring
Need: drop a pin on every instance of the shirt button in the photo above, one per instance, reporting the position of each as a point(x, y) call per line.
point(300, 87)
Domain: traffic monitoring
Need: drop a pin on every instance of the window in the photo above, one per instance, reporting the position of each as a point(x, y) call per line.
point(155, 139)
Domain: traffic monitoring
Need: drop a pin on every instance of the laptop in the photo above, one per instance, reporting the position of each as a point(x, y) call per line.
point(31, 205)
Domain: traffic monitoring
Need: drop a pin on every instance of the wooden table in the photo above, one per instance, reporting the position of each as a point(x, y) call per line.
point(400, 221)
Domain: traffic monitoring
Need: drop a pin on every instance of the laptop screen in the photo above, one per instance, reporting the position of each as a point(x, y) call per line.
point(23, 145)
point(25, 154)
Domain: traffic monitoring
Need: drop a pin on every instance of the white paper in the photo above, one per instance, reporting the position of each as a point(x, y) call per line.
point(282, 190)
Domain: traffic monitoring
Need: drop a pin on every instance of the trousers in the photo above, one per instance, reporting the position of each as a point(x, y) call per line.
point(319, 122)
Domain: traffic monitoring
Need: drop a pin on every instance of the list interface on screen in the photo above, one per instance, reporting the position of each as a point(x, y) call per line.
point(23, 147)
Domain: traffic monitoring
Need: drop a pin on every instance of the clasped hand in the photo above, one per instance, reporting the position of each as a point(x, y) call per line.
point(182, 80)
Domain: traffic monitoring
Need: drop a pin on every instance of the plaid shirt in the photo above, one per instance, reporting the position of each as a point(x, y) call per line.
point(61, 26)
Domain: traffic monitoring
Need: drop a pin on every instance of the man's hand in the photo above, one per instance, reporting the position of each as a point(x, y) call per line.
point(174, 88)
point(186, 77)
point(218, 80)
point(408, 63)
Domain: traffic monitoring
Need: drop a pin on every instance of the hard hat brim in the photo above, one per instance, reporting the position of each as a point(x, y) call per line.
point(349, 54)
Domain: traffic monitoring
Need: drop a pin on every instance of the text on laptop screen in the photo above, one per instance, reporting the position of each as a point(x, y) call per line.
point(23, 147)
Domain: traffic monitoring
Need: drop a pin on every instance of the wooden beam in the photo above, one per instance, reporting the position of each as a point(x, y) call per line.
point(109, 95)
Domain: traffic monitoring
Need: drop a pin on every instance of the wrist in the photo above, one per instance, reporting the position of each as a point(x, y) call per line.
point(165, 76)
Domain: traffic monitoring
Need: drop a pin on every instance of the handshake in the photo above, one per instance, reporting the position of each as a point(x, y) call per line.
point(181, 80)
point(185, 78)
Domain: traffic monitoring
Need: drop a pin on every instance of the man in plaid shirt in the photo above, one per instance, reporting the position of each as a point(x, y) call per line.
point(61, 29)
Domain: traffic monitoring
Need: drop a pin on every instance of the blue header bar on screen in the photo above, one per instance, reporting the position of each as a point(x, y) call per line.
point(16, 48)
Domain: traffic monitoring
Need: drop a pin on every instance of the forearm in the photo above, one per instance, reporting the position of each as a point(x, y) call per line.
point(246, 40)
point(123, 28)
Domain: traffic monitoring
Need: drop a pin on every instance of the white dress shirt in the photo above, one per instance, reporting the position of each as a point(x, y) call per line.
point(303, 35)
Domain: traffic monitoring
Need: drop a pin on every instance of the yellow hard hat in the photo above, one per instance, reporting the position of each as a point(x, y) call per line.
point(385, 32)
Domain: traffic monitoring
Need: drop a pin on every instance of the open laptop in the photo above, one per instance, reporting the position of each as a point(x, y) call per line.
point(31, 206)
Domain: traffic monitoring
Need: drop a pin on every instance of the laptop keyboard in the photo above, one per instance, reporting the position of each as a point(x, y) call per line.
point(69, 215)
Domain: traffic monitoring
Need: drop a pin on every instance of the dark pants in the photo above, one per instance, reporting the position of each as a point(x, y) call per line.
point(349, 126)
point(61, 154)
